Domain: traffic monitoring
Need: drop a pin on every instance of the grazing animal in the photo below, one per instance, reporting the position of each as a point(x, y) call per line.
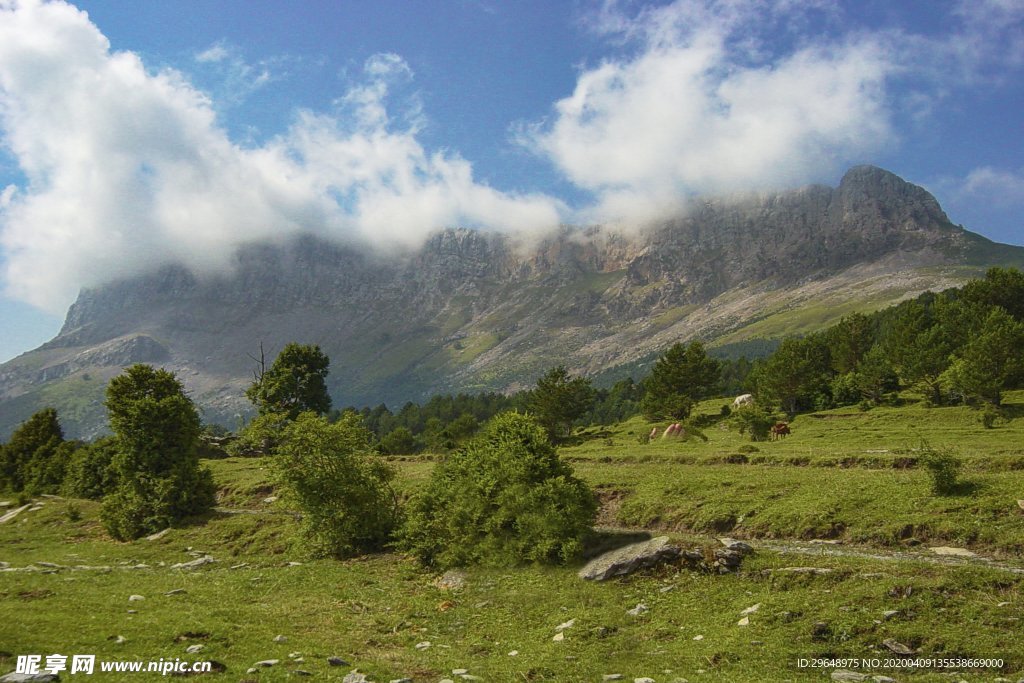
point(743, 400)
point(653, 435)
point(780, 430)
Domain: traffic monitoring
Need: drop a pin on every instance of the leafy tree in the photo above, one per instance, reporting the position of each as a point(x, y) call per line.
point(559, 400)
point(681, 376)
point(983, 366)
point(295, 383)
point(157, 467)
point(31, 446)
point(339, 483)
point(504, 499)
point(795, 374)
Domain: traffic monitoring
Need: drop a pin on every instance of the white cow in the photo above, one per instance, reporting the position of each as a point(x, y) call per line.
point(743, 400)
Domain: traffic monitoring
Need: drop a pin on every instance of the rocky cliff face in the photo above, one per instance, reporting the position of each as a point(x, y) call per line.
point(473, 311)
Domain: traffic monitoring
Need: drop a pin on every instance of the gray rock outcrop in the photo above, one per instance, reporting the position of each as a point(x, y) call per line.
point(630, 558)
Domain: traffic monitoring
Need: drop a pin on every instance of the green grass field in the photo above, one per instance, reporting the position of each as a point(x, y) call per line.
point(847, 476)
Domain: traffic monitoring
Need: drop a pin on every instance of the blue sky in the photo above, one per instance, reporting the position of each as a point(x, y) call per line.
point(134, 134)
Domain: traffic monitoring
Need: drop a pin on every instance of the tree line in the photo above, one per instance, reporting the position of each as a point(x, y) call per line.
point(962, 345)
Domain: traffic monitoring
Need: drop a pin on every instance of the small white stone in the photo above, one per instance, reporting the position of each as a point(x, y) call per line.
point(750, 610)
point(563, 626)
point(559, 637)
point(745, 621)
point(513, 653)
point(638, 610)
point(135, 598)
point(698, 637)
point(423, 646)
point(280, 639)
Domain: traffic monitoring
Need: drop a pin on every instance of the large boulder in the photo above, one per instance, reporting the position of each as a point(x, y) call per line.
point(630, 558)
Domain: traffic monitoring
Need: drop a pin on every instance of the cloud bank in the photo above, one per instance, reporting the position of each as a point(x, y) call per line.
point(127, 168)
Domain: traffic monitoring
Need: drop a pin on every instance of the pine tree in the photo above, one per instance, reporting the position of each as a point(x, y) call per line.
point(559, 400)
point(682, 376)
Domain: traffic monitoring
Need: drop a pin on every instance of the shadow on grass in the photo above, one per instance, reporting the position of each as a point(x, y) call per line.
point(961, 489)
point(604, 540)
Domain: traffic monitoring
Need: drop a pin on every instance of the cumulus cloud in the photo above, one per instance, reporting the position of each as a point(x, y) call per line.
point(705, 105)
point(128, 169)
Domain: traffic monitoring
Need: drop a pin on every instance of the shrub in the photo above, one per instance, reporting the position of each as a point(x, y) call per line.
point(159, 480)
point(72, 512)
point(46, 472)
point(754, 420)
point(340, 484)
point(990, 415)
point(943, 466)
point(399, 441)
point(90, 472)
point(504, 499)
point(259, 437)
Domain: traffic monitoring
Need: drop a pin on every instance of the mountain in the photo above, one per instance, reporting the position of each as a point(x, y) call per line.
point(475, 311)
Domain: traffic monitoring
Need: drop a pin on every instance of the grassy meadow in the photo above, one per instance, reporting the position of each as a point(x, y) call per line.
point(846, 478)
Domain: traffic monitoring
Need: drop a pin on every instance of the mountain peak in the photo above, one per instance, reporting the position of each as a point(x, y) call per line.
point(474, 311)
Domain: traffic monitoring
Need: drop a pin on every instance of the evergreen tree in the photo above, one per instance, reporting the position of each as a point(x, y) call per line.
point(295, 383)
point(33, 444)
point(795, 374)
point(984, 365)
point(157, 466)
point(849, 341)
point(559, 400)
point(1003, 287)
point(680, 377)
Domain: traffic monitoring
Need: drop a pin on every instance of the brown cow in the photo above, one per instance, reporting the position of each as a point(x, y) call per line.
point(780, 430)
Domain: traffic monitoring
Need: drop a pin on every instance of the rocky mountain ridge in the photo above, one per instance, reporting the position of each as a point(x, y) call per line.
point(474, 311)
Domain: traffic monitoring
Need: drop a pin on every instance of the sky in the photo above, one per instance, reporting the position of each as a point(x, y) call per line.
point(136, 134)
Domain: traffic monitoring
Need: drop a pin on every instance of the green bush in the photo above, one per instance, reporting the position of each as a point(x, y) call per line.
point(943, 466)
point(159, 480)
point(990, 415)
point(754, 420)
point(259, 437)
point(504, 499)
point(90, 472)
point(341, 485)
point(399, 441)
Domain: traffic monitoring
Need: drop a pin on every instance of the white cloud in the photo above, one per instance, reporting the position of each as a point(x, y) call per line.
point(991, 186)
point(705, 106)
point(129, 169)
